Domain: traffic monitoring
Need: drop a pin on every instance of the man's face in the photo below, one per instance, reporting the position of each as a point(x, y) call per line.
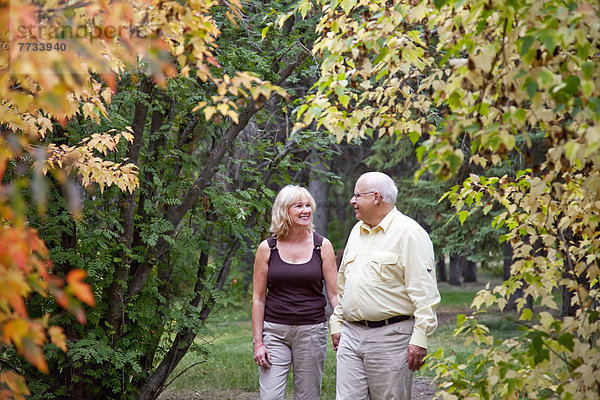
point(362, 201)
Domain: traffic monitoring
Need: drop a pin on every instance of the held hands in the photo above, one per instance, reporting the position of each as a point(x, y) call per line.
point(335, 340)
point(414, 357)
point(262, 357)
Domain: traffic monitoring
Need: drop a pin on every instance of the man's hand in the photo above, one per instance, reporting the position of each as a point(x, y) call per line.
point(414, 356)
point(335, 340)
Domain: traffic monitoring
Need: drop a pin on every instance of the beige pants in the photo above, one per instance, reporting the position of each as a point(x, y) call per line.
point(302, 346)
point(371, 362)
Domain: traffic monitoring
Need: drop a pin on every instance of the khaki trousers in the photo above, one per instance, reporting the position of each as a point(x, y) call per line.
point(371, 362)
point(300, 346)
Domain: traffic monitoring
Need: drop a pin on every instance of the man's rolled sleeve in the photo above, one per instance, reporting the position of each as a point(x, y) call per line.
point(336, 321)
point(421, 286)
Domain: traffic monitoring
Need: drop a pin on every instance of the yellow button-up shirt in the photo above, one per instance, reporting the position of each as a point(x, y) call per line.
point(388, 270)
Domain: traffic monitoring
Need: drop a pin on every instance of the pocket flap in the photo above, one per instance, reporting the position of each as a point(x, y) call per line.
point(348, 258)
point(385, 258)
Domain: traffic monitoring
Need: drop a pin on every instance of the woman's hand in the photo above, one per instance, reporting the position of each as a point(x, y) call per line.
point(262, 357)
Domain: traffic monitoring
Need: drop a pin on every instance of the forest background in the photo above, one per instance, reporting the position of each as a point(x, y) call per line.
point(147, 161)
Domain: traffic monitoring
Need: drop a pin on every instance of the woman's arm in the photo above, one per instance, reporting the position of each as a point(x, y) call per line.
point(330, 272)
point(259, 295)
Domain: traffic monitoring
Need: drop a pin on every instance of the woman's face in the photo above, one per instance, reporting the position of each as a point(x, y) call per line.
point(300, 212)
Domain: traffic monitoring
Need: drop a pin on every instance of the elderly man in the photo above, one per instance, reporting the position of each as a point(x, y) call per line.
point(387, 297)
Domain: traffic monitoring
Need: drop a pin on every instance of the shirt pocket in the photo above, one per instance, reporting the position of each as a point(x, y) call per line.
point(348, 260)
point(383, 268)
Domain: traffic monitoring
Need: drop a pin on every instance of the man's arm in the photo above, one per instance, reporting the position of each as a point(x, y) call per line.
point(422, 289)
point(336, 320)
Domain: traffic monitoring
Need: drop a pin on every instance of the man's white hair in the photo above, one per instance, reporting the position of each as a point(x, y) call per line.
point(382, 183)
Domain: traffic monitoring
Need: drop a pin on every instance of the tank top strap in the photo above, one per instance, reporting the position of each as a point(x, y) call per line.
point(272, 242)
point(318, 240)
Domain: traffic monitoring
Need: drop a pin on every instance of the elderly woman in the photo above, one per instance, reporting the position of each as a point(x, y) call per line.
point(289, 323)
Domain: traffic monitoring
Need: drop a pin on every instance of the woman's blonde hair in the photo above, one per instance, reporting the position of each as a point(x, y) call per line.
point(280, 218)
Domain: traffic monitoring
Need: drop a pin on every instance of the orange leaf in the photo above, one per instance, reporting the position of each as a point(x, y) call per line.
point(16, 385)
point(81, 290)
point(34, 354)
point(61, 298)
point(78, 314)
point(58, 337)
point(17, 303)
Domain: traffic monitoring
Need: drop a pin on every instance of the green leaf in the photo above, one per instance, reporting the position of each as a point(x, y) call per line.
point(454, 161)
point(304, 8)
point(344, 100)
point(347, 5)
point(439, 3)
point(583, 50)
point(572, 85)
point(420, 152)
point(382, 53)
point(414, 137)
point(545, 78)
point(531, 87)
point(264, 31)
point(520, 115)
point(566, 339)
point(526, 43)
point(302, 109)
point(549, 38)
point(526, 315)
point(588, 68)
point(462, 216)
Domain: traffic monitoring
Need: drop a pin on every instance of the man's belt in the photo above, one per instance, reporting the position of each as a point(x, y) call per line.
point(383, 322)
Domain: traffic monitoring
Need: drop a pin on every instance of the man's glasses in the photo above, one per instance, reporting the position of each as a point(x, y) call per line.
point(357, 195)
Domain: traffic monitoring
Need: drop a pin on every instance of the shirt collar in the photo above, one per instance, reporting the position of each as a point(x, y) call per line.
point(383, 225)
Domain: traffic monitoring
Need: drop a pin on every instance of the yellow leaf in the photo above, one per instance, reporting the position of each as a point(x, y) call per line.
point(234, 116)
point(546, 319)
point(209, 112)
point(58, 337)
point(223, 108)
point(107, 95)
point(88, 110)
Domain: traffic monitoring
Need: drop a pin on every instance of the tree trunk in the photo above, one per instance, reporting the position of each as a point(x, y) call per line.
point(568, 309)
point(319, 189)
point(507, 252)
point(442, 273)
point(176, 214)
point(155, 383)
point(455, 268)
point(469, 272)
point(116, 292)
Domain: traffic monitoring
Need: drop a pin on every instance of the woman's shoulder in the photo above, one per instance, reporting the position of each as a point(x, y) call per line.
point(322, 239)
point(264, 245)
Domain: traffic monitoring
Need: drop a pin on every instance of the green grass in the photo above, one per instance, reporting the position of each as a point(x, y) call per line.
point(230, 365)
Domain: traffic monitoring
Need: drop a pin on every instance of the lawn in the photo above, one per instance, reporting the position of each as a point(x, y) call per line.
point(230, 369)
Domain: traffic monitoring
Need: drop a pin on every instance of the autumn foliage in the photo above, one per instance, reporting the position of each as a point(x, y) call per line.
point(470, 83)
point(26, 270)
point(60, 62)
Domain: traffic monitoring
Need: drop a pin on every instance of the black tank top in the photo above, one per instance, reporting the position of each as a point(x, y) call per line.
point(295, 291)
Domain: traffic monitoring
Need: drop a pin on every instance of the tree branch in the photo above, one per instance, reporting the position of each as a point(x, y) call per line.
point(114, 313)
point(177, 213)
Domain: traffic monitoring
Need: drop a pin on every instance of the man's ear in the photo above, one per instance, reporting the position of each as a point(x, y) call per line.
point(376, 198)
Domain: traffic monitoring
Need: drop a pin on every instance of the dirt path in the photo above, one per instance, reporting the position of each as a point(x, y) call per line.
point(422, 390)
